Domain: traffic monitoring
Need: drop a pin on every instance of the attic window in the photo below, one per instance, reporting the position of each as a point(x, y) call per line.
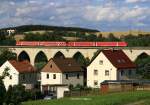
point(51, 66)
point(101, 62)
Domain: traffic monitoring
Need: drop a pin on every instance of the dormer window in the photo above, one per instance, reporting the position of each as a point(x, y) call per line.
point(119, 61)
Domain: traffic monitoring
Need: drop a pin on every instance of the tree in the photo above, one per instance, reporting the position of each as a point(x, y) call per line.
point(15, 95)
point(8, 95)
point(111, 37)
point(2, 92)
point(2, 87)
point(143, 66)
point(6, 54)
point(146, 73)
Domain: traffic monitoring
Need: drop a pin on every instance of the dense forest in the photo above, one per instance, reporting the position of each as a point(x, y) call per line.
point(25, 28)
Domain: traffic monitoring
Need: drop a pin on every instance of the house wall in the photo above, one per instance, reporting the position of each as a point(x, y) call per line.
point(126, 75)
point(100, 77)
point(72, 78)
point(45, 80)
point(61, 90)
point(28, 78)
point(13, 73)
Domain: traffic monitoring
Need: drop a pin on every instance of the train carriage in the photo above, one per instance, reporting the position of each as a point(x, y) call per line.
point(71, 44)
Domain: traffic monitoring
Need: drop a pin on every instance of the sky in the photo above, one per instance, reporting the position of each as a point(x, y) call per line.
point(104, 15)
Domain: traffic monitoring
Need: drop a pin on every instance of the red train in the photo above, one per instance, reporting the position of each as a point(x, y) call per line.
point(71, 44)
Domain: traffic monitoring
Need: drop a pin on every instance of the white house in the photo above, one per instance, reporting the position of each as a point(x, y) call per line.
point(19, 73)
point(110, 65)
point(63, 71)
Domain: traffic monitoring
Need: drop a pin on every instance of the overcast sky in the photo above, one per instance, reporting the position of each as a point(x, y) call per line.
point(104, 15)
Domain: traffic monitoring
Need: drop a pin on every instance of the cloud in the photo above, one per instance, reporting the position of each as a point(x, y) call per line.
point(135, 1)
point(99, 14)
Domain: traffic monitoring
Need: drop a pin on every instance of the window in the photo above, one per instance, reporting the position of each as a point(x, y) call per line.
point(47, 76)
point(106, 72)
point(130, 72)
point(23, 76)
point(122, 72)
point(66, 76)
point(101, 62)
point(78, 76)
point(50, 66)
point(54, 76)
point(95, 72)
point(10, 77)
point(95, 82)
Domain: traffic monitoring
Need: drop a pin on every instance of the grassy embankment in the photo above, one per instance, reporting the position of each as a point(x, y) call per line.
point(108, 99)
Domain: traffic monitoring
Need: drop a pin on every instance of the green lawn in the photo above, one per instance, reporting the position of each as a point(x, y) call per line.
point(108, 99)
point(146, 102)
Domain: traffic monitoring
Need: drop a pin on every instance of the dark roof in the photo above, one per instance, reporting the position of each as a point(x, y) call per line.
point(67, 64)
point(119, 59)
point(126, 82)
point(22, 66)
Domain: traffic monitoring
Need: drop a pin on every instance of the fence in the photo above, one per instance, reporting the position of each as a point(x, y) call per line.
point(120, 86)
point(76, 93)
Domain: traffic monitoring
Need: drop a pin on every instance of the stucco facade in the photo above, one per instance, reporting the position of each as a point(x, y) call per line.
point(102, 69)
point(48, 78)
point(13, 78)
point(101, 64)
point(73, 78)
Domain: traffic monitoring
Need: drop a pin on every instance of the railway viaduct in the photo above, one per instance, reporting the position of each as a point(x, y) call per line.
point(87, 52)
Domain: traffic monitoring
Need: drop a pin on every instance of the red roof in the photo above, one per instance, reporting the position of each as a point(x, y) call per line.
point(23, 66)
point(119, 59)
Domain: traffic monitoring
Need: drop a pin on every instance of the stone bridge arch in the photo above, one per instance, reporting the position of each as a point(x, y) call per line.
point(23, 56)
point(133, 54)
point(40, 56)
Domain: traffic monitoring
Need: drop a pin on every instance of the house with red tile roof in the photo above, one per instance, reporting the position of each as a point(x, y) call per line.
point(19, 73)
point(62, 71)
point(110, 64)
